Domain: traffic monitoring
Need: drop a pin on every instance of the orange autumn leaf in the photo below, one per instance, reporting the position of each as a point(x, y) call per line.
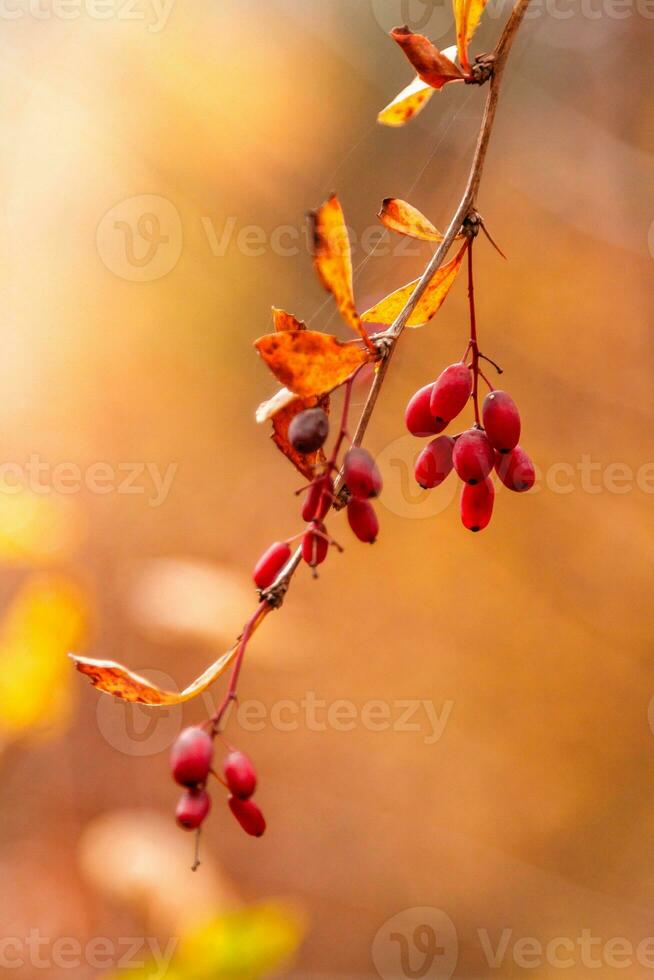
point(332, 259)
point(310, 363)
point(407, 104)
point(389, 308)
point(431, 65)
point(467, 14)
point(112, 678)
point(286, 321)
point(403, 218)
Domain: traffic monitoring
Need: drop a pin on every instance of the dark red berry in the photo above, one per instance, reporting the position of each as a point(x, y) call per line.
point(270, 564)
point(501, 420)
point(363, 520)
point(451, 391)
point(361, 474)
point(248, 815)
point(473, 456)
point(435, 462)
point(192, 809)
point(315, 545)
point(477, 505)
point(308, 430)
point(418, 417)
point(318, 499)
point(240, 775)
point(516, 470)
point(190, 756)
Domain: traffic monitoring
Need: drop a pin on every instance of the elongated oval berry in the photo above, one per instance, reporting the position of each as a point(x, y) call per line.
point(473, 456)
point(477, 504)
point(361, 474)
point(314, 545)
point(451, 391)
point(363, 520)
point(190, 756)
point(248, 815)
point(516, 470)
point(309, 430)
point(318, 499)
point(418, 417)
point(240, 775)
point(435, 462)
point(270, 564)
point(501, 420)
point(192, 809)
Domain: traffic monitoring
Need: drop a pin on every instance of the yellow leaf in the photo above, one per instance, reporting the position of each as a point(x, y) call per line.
point(332, 259)
point(388, 309)
point(310, 363)
point(407, 104)
point(467, 14)
point(112, 678)
point(403, 218)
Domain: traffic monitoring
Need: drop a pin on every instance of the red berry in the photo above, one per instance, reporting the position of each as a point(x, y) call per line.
point(270, 564)
point(516, 470)
point(361, 474)
point(190, 756)
point(363, 520)
point(418, 417)
point(318, 500)
point(473, 456)
point(435, 462)
point(501, 420)
point(192, 809)
point(451, 391)
point(315, 545)
point(240, 775)
point(308, 430)
point(248, 815)
point(477, 505)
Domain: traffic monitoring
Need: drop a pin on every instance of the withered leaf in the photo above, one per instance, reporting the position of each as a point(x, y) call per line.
point(406, 220)
point(310, 363)
point(431, 65)
point(286, 321)
point(467, 14)
point(407, 104)
point(112, 678)
point(388, 309)
point(332, 259)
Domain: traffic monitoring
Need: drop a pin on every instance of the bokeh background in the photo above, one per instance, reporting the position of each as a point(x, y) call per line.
point(151, 155)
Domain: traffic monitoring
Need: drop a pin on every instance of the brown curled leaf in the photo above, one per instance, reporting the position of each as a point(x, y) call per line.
point(431, 65)
point(407, 104)
point(306, 463)
point(332, 259)
point(286, 321)
point(112, 678)
point(403, 218)
point(467, 14)
point(388, 309)
point(310, 363)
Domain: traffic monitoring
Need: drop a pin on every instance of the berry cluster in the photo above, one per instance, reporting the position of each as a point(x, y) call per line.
point(361, 481)
point(191, 762)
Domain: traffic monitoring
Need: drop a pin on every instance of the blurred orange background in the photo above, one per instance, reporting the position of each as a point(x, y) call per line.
point(158, 163)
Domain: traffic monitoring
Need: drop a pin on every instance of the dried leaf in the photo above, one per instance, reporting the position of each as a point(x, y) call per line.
point(332, 259)
point(387, 310)
point(406, 220)
point(431, 65)
point(286, 321)
point(305, 463)
point(114, 679)
point(467, 14)
point(407, 104)
point(310, 363)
